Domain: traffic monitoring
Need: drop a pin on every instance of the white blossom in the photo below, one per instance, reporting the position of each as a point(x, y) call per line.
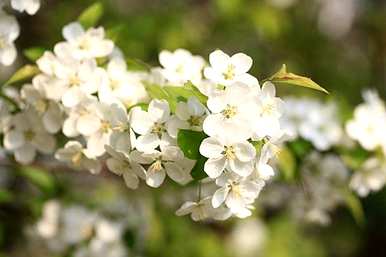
point(9, 31)
point(225, 69)
point(77, 157)
point(181, 66)
point(29, 6)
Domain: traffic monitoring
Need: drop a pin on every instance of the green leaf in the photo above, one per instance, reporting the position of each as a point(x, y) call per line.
point(156, 92)
point(23, 74)
point(198, 172)
point(34, 53)
point(283, 76)
point(189, 141)
point(355, 207)
point(143, 106)
point(42, 179)
point(5, 196)
point(286, 163)
point(114, 32)
point(90, 17)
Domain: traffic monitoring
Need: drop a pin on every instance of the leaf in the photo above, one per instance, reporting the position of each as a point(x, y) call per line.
point(90, 17)
point(198, 172)
point(143, 106)
point(23, 74)
point(114, 32)
point(156, 92)
point(287, 163)
point(189, 142)
point(34, 53)
point(282, 76)
point(355, 207)
point(42, 179)
point(5, 196)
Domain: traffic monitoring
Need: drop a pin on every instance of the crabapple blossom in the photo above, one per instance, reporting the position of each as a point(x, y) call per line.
point(203, 210)
point(237, 193)
point(77, 157)
point(225, 69)
point(122, 164)
point(25, 134)
point(9, 31)
point(81, 44)
point(151, 125)
point(189, 115)
point(224, 153)
point(168, 161)
point(370, 177)
point(52, 116)
point(29, 6)
point(120, 85)
point(181, 66)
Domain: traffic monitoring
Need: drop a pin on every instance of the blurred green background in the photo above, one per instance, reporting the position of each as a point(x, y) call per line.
point(342, 47)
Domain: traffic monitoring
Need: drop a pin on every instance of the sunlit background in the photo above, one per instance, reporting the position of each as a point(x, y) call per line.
point(341, 44)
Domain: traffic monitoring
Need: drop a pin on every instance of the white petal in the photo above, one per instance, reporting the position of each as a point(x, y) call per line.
point(52, 119)
point(241, 62)
point(211, 148)
point(72, 97)
point(131, 180)
point(214, 167)
point(13, 140)
point(219, 196)
point(219, 60)
point(159, 110)
point(176, 173)
point(115, 166)
point(73, 31)
point(45, 143)
point(245, 151)
point(147, 143)
point(241, 168)
point(25, 154)
point(69, 127)
point(141, 122)
point(186, 208)
point(155, 178)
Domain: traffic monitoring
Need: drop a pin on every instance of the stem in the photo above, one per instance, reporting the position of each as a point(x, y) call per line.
point(199, 190)
point(10, 101)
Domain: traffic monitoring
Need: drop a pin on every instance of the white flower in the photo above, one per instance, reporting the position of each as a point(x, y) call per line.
point(9, 31)
point(232, 110)
point(264, 170)
point(48, 225)
point(370, 177)
point(203, 210)
point(49, 110)
point(169, 161)
point(25, 134)
point(75, 155)
point(237, 193)
point(189, 115)
point(29, 6)
point(151, 125)
point(121, 85)
point(81, 79)
point(5, 115)
point(121, 163)
point(369, 122)
point(181, 66)
point(83, 44)
point(226, 70)
point(269, 110)
point(103, 123)
point(224, 153)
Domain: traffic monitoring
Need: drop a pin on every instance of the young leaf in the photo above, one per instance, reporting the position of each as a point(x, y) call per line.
point(189, 141)
point(90, 17)
point(34, 53)
point(283, 76)
point(23, 74)
point(355, 207)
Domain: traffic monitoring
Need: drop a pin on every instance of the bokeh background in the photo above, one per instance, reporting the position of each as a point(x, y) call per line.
point(341, 44)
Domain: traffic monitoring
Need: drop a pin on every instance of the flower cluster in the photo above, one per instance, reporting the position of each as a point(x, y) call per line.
point(10, 30)
point(314, 121)
point(84, 231)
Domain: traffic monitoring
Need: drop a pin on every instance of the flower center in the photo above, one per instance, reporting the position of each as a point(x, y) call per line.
point(234, 186)
point(105, 126)
point(195, 120)
point(180, 69)
point(76, 158)
point(229, 152)
point(29, 135)
point(114, 84)
point(84, 44)
point(229, 74)
point(157, 165)
point(75, 81)
point(158, 128)
point(229, 111)
point(41, 106)
point(268, 109)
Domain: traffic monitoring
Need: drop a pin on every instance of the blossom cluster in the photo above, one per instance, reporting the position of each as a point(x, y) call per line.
point(10, 30)
point(85, 92)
